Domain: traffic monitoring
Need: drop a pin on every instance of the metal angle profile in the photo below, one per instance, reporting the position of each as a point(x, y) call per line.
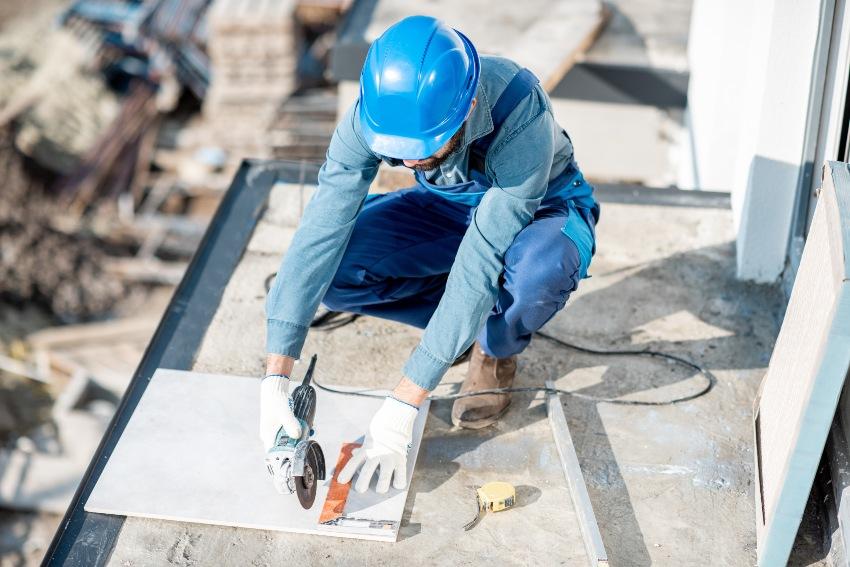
point(593, 544)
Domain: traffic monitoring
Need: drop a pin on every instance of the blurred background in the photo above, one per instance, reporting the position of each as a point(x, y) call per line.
point(115, 149)
point(122, 123)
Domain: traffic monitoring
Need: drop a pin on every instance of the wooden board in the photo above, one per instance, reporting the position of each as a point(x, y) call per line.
point(191, 453)
point(102, 332)
point(544, 35)
point(799, 394)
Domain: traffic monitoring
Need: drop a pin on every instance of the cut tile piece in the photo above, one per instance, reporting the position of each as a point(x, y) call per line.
point(191, 453)
point(799, 393)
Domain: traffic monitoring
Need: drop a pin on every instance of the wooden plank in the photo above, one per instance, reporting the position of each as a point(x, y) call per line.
point(573, 41)
point(547, 36)
point(146, 270)
point(799, 393)
point(113, 330)
point(593, 544)
point(14, 366)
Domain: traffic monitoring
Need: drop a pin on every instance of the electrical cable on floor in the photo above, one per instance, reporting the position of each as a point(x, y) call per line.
point(334, 320)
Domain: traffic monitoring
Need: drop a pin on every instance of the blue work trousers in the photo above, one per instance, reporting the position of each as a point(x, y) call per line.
point(403, 246)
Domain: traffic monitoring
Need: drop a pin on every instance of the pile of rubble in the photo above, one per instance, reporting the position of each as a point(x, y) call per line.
point(109, 149)
point(40, 264)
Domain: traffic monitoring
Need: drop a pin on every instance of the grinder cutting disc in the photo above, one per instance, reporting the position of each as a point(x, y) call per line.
point(305, 486)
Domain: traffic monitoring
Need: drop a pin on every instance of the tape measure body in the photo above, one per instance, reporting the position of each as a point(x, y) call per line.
point(496, 496)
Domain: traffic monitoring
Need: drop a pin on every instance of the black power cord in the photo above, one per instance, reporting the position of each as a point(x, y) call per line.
point(333, 320)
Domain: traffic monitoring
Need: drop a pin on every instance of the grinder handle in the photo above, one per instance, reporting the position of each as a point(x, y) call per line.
point(309, 375)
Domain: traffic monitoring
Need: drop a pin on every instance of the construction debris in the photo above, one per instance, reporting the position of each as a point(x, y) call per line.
point(57, 101)
point(121, 126)
point(84, 370)
point(303, 126)
point(40, 264)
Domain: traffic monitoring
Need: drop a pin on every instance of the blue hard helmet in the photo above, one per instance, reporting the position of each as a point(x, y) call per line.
point(416, 88)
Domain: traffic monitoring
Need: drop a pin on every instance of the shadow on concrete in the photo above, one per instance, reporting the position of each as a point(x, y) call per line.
point(741, 321)
point(624, 84)
point(817, 526)
point(743, 318)
point(639, 82)
point(526, 495)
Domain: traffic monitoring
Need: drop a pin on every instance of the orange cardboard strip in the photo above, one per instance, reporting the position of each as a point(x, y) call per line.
point(338, 492)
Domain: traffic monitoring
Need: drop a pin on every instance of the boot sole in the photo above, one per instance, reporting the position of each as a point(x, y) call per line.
point(483, 422)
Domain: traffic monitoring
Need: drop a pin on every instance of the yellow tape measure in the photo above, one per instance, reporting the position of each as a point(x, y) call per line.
point(492, 497)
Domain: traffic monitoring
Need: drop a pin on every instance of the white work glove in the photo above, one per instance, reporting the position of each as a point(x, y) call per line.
point(276, 410)
point(389, 438)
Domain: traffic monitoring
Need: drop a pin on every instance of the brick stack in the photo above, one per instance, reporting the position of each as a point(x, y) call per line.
point(253, 51)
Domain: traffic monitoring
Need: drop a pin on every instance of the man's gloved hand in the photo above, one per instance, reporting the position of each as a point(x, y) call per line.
point(389, 438)
point(276, 410)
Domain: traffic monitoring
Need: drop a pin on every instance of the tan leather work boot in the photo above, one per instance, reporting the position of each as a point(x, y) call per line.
point(484, 372)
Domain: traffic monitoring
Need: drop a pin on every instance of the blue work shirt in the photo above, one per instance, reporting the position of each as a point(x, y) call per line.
point(529, 150)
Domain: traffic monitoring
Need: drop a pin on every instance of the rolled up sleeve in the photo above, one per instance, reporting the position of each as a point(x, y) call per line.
point(320, 241)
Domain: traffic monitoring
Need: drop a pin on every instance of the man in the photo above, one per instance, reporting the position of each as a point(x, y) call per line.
point(489, 244)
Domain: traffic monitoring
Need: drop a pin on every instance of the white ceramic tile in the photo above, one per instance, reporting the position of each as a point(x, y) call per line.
point(191, 453)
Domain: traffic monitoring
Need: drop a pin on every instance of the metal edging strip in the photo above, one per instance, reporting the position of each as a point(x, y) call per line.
point(593, 544)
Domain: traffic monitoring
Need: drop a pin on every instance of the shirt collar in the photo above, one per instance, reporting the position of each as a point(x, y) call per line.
point(480, 122)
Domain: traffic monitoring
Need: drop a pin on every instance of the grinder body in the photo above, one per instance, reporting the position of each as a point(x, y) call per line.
point(297, 464)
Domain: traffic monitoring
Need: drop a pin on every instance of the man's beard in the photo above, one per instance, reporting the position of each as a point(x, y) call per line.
point(449, 148)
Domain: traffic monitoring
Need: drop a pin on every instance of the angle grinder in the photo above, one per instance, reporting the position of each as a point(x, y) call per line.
point(298, 464)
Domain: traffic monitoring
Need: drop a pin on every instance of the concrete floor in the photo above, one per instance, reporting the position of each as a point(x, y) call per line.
point(650, 149)
point(670, 485)
point(651, 33)
point(625, 141)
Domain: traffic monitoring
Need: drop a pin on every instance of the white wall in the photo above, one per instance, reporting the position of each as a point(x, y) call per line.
point(749, 98)
point(717, 53)
point(752, 93)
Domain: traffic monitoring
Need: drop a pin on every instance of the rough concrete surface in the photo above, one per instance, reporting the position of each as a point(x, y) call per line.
point(632, 142)
point(671, 485)
point(623, 143)
point(645, 33)
point(616, 142)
